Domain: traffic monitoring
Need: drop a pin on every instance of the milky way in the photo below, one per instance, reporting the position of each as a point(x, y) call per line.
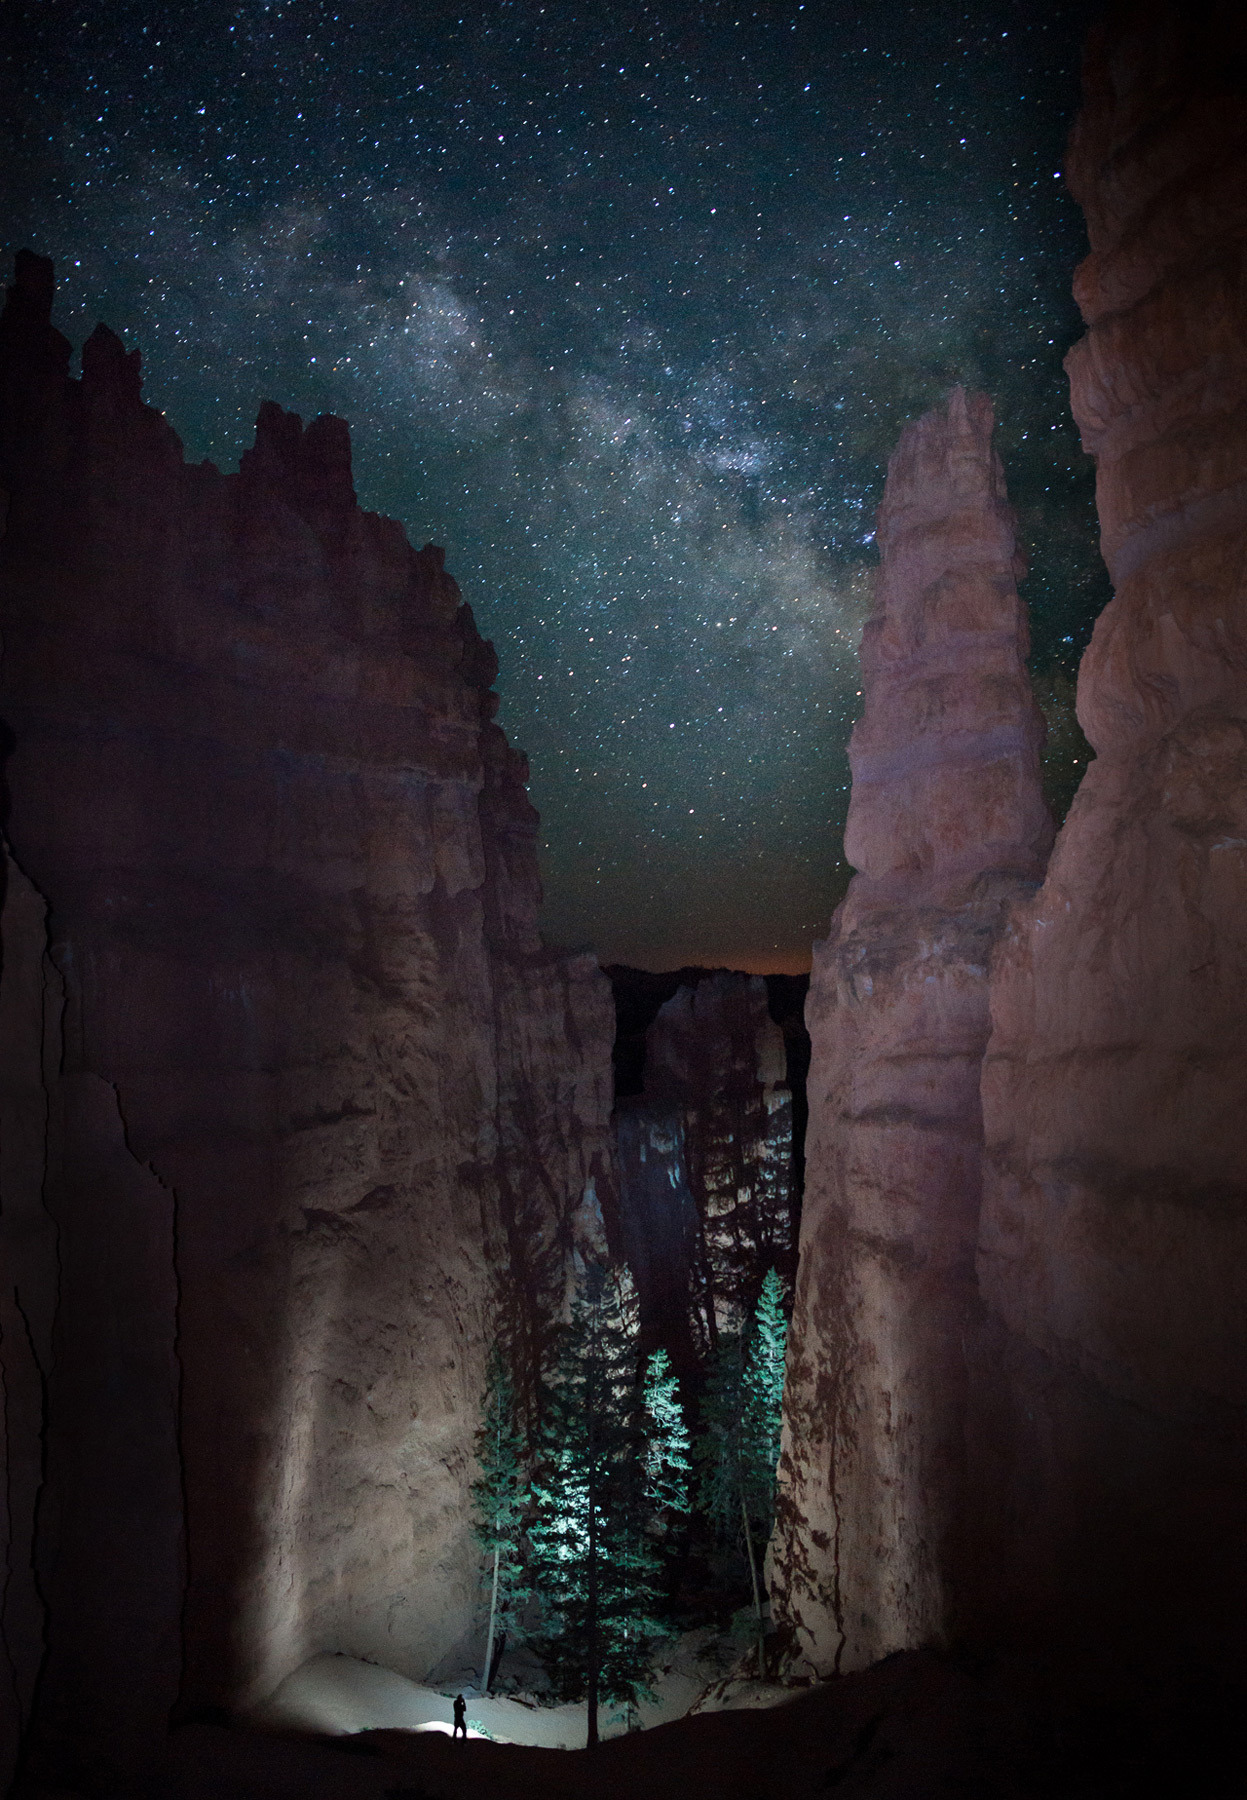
point(626, 306)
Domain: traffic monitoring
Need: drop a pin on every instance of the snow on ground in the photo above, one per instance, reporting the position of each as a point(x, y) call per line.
point(341, 1694)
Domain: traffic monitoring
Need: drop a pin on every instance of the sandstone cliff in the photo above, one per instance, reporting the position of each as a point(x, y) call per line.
point(946, 827)
point(1113, 1259)
point(294, 1102)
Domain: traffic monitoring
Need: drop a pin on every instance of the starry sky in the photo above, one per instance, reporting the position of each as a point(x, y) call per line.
point(626, 306)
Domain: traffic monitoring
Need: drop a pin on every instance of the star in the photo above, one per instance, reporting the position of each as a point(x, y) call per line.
point(627, 310)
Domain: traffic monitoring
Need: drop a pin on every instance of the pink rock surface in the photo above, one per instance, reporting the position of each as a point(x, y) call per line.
point(1113, 1255)
point(946, 826)
point(306, 1103)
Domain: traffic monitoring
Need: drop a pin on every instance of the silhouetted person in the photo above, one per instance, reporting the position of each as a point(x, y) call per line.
point(461, 1717)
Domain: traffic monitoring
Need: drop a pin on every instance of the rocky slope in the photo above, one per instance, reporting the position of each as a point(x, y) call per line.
point(293, 1102)
point(946, 827)
point(1114, 1236)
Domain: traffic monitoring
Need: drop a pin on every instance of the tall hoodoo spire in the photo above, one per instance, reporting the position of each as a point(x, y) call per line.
point(947, 825)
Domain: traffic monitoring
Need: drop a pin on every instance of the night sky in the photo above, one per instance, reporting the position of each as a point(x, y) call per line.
point(626, 305)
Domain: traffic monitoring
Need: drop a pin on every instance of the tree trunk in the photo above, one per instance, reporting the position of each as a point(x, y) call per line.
point(753, 1577)
point(591, 1730)
point(493, 1614)
point(500, 1650)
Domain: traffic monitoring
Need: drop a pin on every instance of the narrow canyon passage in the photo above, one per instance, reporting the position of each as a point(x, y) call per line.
point(329, 1187)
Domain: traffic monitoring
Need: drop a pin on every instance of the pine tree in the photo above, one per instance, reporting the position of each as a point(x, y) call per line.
point(594, 1560)
point(718, 1448)
point(500, 1494)
point(667, 1465)
point(738, 1447)
point(729, 1485)
point(764, 1402)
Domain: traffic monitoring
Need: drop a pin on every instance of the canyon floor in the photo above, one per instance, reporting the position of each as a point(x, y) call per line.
point(339, 1695)
point(917, 1726)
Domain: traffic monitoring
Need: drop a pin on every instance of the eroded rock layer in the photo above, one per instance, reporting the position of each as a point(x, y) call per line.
point(946, 827)
point(1113, 1256)
point(295, 1102)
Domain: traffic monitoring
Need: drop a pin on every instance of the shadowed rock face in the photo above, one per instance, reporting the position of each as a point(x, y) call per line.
point(1114, 1231)
point(946, 827)
point(294, 1100)
point(706, 1175)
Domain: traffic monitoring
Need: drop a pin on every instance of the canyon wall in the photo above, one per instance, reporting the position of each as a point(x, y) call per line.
point(1110, 1426)
point(706, 1195)
point(294, 1105)
point(946, 827)
point(1017, 1407)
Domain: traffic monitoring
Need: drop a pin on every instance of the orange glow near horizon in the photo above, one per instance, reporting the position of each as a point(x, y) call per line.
point(790, 962)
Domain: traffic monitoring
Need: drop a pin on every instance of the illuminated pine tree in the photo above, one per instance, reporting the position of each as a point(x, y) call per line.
point(763, 1395)
point(666, 1458)
point(594, 1561)
point(500, 1493)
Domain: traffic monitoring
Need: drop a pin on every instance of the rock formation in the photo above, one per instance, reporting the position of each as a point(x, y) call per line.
point(946, 827)
point(706, 1201)
point(294, 1103)
point(1019, 1376)
point(1110, 1423)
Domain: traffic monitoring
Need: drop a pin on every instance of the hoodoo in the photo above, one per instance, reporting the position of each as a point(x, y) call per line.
point(295, 1102)
point(946, 827)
